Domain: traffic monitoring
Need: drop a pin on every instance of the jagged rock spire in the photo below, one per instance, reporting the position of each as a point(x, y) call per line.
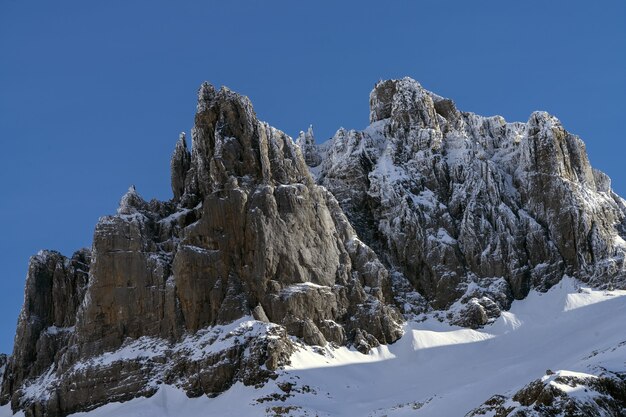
point(229, 141)
point(247, 233)
point(131, 202)
point(306, 142)
point(206, 94)
point(179, 165)
point(458, 201)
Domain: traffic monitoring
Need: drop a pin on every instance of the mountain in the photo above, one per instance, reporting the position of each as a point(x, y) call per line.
point(277, 261)
point(474, 211)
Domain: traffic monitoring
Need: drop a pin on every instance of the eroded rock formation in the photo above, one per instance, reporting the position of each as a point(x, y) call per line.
point(451, 211)
point(248, 233)
point(472, 210)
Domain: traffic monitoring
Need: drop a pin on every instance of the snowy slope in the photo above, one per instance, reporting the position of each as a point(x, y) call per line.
point(434, 370)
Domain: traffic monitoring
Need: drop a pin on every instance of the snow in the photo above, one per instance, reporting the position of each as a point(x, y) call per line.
point(172, 402)
point(195, 347)
point(443, 236)
point(176, 215)
point(435, 370)
point(144, 348)
point(576, 389)
point(302, 287)
point(39, 387)
point(54, 330)
point(5, 411)
point(427, 339)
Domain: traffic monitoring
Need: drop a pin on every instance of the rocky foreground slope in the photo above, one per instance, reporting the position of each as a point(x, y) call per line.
point(452, 212)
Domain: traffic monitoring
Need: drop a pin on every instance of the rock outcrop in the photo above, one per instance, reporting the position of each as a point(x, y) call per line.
point(450, 210)
point(310, 150)
point(3, 364)
point(472, 210)
point(203, 290)
point(564, 394)
point(55, 289)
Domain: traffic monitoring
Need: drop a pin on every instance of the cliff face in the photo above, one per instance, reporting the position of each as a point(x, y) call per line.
point(472, 210)
point(454, 212)
point(248, 252)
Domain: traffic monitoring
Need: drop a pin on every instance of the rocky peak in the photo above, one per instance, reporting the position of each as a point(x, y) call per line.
point(179, 166)
point(306, 138)
point(306, 142)
point(231, 148)
point(472, 210)
point(405, 101)
point(247, 235)
point(206, 95)
point(55, 289)
point(132, 202)
point(410, 113)
point(551, 150)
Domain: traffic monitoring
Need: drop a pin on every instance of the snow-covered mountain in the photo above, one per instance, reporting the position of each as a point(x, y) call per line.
point(472, 210)
point(437, 263)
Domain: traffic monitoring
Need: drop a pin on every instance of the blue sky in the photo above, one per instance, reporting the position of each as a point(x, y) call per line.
point(94, 94)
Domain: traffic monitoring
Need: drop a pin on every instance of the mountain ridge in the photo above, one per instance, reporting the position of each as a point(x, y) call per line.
point(427, 211)
point(453, 176)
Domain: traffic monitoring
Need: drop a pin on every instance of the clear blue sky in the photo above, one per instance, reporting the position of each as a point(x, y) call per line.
point(94, 94)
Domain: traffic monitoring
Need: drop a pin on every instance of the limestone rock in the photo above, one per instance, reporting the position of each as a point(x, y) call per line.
point(55, 289)
point(310, 151)
point(429, 207)
point(474, 208)
point(247, 233)
point(3, 364)
point(179, 166)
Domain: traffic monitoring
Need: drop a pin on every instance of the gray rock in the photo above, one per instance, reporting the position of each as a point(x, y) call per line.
point(461, 204)
point(429, 207)
point(55, 289)
point(556, 394)
point(310, 151)
point(179, 166)
point(3, 364)
point(248, 233)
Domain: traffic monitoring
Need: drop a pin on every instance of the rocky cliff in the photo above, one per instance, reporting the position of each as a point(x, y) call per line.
point(474, 211)
point(211, 284)
point(268, 243)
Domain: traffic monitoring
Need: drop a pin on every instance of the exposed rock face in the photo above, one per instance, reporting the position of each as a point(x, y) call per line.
point(207, 289)
point(55, 288)
point(180, 164)
point(564, 394)
point(248, 233)
point(474, 210)
point(3, 364)
point(310, 151)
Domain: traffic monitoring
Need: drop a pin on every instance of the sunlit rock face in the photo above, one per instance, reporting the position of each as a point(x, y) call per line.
point(269, 242)
point(247, 236)
point(474, 211)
